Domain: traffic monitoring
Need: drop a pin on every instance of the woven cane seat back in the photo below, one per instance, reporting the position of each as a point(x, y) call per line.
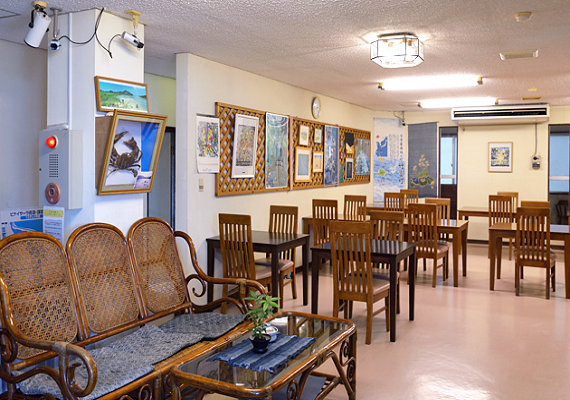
point(34, 270)
point(99, 255)
point(156, 259)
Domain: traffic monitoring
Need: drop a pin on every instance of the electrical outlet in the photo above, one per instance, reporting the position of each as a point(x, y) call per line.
point(201, 184)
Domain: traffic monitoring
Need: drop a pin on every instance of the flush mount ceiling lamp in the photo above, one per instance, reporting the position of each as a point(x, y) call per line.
point(398, 50)
point(458, 102)
point(431, 82)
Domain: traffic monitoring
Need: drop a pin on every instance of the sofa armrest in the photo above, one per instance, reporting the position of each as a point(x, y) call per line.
point(64, 376)
point(204, 279)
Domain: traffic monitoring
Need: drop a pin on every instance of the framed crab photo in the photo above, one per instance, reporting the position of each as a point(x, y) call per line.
point(132, 153)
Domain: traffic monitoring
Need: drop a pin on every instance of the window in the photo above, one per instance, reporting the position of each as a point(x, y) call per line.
point(448, 156)
point(559, 162)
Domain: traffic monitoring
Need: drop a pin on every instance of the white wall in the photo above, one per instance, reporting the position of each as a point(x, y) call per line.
point(23, 114)
point(162, 96)
point(199, 85)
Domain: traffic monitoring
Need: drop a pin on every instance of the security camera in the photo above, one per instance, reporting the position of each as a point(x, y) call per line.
point(132, 39)
point(38, 25)
point(54, 44)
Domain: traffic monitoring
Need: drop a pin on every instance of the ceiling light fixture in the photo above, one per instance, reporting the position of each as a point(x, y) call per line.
point(397, 50)
point(458, 102)
point(38, 25)
point(513, 55)
point(431, 82)
point(523, 16)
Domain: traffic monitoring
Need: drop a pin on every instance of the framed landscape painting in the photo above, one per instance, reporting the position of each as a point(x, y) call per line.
point(500, 156)
point(116, 94)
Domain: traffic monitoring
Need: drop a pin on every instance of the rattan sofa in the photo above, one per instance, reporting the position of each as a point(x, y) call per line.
point(107, 316)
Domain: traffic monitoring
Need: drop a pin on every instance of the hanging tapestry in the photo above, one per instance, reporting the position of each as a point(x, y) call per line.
point(422, 158)
point(389, 160)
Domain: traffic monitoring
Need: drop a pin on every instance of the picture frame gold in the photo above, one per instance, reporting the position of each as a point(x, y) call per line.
point(317, 161)
point(131, 155)
point(116, 94)
point(500, 157)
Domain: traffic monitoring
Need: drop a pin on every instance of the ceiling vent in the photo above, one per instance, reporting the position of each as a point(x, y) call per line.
point(506, 114)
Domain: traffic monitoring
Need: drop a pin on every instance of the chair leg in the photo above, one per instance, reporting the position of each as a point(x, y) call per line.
point(281, 287)
point(335, 306)
point(398, 297)
point(369, 312)
point(547, 283)
point(224, 294)
point(553, 277)
point(434, 278)
point(294, 284)
point(517, 279)
point(425, 262)
point(510, 249)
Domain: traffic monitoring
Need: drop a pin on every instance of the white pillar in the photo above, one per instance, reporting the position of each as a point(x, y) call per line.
point(71, 100)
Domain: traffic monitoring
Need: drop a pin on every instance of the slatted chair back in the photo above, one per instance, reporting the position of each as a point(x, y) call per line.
point(387, 225)
point(532, 243)
point(354, 207)
point(410, 196)
point(533, 236)
point(500, 209)
point(422, 226)
point(394, 201)
point(514, 199)
point(324, 210)
point(152, 244)
point(236, 246)
point(100, 260)
point(284, 219)
point(443, 208)
point(562, 211)
point(351, 259)
point(535, 204)
point(40, 301)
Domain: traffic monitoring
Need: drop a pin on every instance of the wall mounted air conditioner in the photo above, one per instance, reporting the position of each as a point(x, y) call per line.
point(507, 114)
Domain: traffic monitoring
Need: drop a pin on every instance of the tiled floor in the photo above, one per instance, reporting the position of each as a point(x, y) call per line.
point(466, 342)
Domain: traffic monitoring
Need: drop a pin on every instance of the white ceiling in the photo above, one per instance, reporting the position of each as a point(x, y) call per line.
point(322, 45)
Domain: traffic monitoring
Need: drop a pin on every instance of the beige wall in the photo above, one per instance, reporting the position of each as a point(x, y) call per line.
point(199, 85)
point(162, 96)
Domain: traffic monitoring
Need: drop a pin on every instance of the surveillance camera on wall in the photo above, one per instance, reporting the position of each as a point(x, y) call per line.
point(132, 39)
point(39, 24)
point(54, 44)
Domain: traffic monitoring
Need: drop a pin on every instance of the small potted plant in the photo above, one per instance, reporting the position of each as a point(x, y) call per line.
point(259, 313)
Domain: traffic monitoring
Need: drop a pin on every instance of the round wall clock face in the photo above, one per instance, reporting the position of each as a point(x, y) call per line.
point(316, 109)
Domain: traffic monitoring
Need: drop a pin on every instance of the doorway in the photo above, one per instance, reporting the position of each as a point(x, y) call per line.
point(448, 166)
point(558, 172)
point(160, 202)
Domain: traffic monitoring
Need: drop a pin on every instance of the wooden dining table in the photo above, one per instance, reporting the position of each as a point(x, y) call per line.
point(508, 230)
point(458, 229)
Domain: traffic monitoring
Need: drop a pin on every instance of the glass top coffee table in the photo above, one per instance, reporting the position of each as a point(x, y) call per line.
point(335, 339)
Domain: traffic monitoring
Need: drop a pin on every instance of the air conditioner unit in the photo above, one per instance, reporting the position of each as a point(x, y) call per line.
point(507, 114)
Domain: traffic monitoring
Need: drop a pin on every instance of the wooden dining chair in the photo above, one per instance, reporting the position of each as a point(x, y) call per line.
point(443, 211)
point(324, 210)
point(422, 229)
point(352, 271)
point(394, 201)
point(533, 245)
point(237, 252)
point(410, 196)
point(388, 225)
point(354, 207)
point(283, 219)
point(514, 206)
point(562, 211)
point(500, 211)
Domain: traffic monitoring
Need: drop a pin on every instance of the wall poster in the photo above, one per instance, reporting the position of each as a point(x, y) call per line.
point(276, 151)
point(245, 146)
point(331, 156)
point(389, 157)
point(422, 158)
point(208, 144)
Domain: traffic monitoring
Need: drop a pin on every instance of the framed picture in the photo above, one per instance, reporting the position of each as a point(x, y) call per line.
point(331, 156)
point(349, 143)
point(302, 164)
point(318, 135)
point(115, 94)
point(245, 146)
point(132, 153)
point(348, 168)
point(304, 135)
point(362, 157)
point(318, 161)
point(500, 156)
point(276, 151)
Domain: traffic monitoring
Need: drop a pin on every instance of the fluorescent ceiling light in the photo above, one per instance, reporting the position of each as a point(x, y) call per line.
point(513, 55)
point(458, 102)
point(431, 82)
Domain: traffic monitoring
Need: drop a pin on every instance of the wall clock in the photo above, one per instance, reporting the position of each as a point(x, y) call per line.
point(316, 108)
